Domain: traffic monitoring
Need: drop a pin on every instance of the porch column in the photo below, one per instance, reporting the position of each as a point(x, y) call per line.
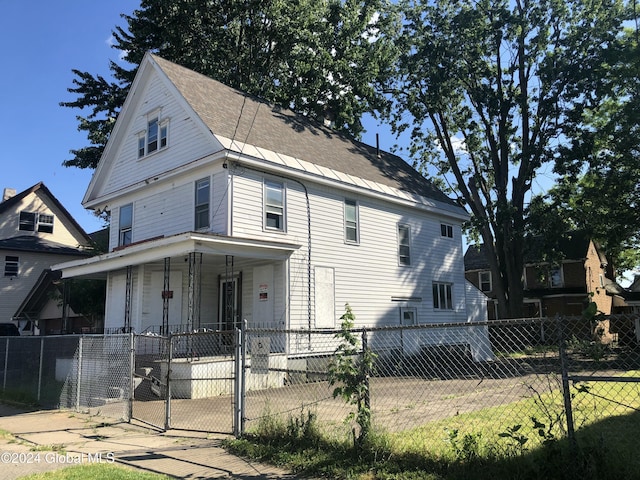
point(229, 294)
point(127, 301)
point(64, 327)
point(193, 307)
point(165, 297)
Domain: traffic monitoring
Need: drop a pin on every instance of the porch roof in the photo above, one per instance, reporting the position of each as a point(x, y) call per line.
point(156, 249)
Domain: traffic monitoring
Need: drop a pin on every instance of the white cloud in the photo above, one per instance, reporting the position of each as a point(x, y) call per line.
point(111, 42)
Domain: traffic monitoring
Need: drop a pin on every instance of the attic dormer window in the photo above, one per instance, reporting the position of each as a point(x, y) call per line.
point(154, 137)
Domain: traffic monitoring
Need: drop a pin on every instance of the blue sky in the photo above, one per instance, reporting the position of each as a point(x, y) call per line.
point(43, 41)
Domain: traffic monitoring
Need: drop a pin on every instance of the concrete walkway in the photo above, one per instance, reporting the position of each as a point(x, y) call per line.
point(48, 440)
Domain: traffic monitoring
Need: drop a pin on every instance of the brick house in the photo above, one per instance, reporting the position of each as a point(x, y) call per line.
point(562, 281)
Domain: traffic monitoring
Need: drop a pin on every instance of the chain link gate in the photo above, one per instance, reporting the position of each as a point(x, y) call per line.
point(149, 380)
point(186, 381)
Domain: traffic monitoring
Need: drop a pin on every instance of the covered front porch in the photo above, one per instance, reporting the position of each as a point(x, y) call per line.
point(191, 282)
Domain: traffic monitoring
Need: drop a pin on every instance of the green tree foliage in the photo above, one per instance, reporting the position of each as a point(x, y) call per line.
point(484, 87)
point(321, 58)
point(599, 186)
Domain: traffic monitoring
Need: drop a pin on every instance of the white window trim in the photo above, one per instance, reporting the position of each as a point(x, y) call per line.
point(399, 256)
point(37, 221)
point(357, 221)
point(447, 286)
point(490, 280)
point(448, 230)
point(196, 204)
point(142, 136)
point(265, 227)
point(128, 229)
point(412, 310)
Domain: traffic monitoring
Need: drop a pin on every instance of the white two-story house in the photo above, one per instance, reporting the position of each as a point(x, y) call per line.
point(225, 208)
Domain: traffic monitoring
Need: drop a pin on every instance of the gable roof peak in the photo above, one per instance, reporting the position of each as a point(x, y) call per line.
point(238, 118)
point(42, 188)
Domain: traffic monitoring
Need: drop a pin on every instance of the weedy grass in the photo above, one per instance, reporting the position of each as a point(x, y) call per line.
point(524, 440)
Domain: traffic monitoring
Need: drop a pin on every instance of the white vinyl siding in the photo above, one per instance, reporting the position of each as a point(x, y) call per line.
point(14, 289)
point(366, 277)
point(186, 140)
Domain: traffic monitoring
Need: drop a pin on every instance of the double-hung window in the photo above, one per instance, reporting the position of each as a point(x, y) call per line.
point(28, 221)
point(11, 266)
point(274, 205)
point(202, 203)
point(45, 223)
point(36, 222)
point(446, 230)
point(484, 279)
point(442, 296)
point(125, 225)
point(154, 138)
point(351, 221)
point(404, 244)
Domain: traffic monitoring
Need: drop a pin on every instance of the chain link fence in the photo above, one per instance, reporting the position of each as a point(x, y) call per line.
point(436, 387)
point(33, 369)
point(502, 384)
point(98, 376)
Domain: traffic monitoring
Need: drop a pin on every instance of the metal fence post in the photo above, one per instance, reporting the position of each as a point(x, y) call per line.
point(167, 419)
point(6, 363)
point(79, 373)
point(132, 368)
point(237, 387)
point(566, 392)
point(40, 368)
point(367, 371)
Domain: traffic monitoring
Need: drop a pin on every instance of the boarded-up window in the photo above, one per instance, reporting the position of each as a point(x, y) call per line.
point(325, 299)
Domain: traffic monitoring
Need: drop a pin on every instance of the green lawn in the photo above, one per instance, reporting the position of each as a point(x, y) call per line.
point(96, 472)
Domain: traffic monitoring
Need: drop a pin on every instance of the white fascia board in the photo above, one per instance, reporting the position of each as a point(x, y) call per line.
point(177, 245)
point(123, 118)
point(387, 193)
point(105, 200)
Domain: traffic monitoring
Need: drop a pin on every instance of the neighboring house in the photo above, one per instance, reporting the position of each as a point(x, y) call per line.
point(627, 304)
point(226, 208)
point(36, 231)
point(579, 274)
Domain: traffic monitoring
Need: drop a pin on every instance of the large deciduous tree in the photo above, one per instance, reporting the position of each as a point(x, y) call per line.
point(321, 58)
point(487, 84)
point(598, 190)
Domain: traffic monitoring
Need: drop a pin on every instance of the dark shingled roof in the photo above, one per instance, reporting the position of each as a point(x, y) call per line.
point(279, 130)
point(572, 246)
point(31, 243)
